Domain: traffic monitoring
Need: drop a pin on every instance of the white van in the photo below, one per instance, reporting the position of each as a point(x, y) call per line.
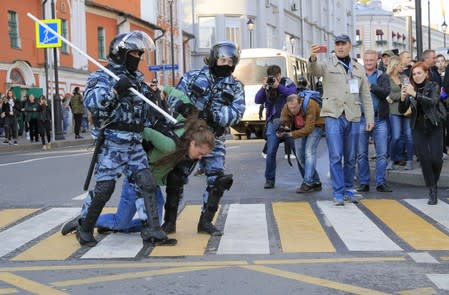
point(251, 71)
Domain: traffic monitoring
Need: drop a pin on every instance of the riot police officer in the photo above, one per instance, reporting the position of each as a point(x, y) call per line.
point(221, 101)
point(119, 119)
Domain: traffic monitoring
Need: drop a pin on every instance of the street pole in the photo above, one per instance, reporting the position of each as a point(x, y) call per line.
point(409, 23)
point(172, 44)
point(428, 21)
point(418, 28)
point(56, 99)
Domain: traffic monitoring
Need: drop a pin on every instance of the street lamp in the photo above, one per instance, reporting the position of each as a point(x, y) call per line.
point(250, 25)
point(292, 42)
point(172, 44)
point(444, 29)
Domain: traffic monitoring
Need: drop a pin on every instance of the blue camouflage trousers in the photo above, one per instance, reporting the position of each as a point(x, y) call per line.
point(214, 164)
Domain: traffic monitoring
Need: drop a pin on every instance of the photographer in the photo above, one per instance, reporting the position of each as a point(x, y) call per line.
point(273, 94)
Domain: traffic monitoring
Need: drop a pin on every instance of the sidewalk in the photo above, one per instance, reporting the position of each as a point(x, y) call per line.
point(24, 145)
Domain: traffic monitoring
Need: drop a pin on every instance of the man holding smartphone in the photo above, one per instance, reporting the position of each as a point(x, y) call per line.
point(345, 91)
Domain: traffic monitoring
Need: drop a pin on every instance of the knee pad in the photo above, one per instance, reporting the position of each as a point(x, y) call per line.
point(144, 181)
point(222, 182)
point(104, 190)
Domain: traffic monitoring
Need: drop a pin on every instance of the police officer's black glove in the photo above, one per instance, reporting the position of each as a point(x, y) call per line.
point(122, 85)
point(185, 109)
point(207, 116)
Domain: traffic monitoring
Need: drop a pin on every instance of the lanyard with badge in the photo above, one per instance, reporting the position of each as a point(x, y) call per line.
point(353, 82)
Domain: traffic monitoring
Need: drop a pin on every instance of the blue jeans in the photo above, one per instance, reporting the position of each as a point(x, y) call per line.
point(342, 138)
point(272, 148)
point(122, 220)
point(380, 136)
point(400, 126)
point(305, 150)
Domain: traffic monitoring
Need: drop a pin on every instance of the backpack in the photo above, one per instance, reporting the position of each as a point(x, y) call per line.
point(310, 94)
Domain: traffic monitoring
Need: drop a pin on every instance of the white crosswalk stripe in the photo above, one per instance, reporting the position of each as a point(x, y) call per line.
point(355, 229)
point(34, 227)
point(116, 245)
point(439, 212)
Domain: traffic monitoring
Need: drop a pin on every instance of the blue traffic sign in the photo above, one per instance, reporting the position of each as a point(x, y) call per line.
point(167, 67)
point(45, 38)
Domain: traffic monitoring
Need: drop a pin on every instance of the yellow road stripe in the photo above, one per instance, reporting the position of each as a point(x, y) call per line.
point(8, 216)
point(331, 260)
point(8, 291)
point(132, 265)
point(444, 257)
point(419, 291)
point(55, 247)
point(28, 285)
point(300, 229)
point(190, 243)
point(413, 229)
point(132, 275)
point(313, 280)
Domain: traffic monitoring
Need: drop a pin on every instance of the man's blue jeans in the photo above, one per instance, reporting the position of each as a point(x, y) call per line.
point(400, 126)
point(342, 139)
point(122, 220)
point(305, 150)
point(380, 136)
point(272, 148)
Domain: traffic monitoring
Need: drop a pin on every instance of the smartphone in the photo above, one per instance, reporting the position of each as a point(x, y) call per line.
point(322, 49)
point(405, 81)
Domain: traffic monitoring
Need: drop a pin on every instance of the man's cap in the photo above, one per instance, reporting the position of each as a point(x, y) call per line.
point(154, 81)
point(343, 38)
point(388, 52)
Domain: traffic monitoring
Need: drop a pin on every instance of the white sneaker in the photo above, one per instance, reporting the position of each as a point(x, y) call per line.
point(44, 147)
point(445, 156)
point(292, 156)
point(264, 155)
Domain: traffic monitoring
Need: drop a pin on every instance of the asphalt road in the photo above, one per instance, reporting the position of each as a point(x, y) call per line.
point(275, 242)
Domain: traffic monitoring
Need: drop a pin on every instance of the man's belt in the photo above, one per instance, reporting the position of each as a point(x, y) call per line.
point(126, 127)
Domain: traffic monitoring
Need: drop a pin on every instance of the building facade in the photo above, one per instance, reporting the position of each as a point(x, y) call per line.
point(90, 25)
point(291, 25)
point(380, 30)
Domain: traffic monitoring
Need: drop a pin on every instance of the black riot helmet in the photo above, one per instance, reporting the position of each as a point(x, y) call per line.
point(124, 43)
point(223, 49)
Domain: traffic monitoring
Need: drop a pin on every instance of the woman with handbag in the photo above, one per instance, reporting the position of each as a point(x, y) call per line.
point(426, 123)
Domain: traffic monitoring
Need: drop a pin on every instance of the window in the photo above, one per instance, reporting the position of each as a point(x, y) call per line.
point(271, 37)
point(232, 25)
point(101, 43)
point(13, 29)
point(206, 31)
point(64, 33)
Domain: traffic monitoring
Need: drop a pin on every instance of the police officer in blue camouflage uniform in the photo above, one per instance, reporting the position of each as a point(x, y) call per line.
point(220, 98)
point(119, 118)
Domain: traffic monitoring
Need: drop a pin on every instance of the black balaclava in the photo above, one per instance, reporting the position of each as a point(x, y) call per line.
point(132, 63)
point(222, 71)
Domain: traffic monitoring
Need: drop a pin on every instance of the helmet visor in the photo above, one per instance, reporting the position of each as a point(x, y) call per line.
point(227, 50)
point(139, 41)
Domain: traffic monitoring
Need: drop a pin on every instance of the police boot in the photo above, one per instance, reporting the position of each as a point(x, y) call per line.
point(205, 223)
point(151, 229)
point(433, 196)
point(70, 226)
point(85, 229)
point(174, 192)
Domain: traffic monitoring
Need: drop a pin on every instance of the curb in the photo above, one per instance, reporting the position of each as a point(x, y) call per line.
point(29, 147)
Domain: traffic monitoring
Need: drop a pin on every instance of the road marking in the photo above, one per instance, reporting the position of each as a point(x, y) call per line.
point(131, 275)
point(299, 228)
point(28, 285)
point(355, 229)
point(245, 231)
point(8, 291)
point(116, 245)
point(80, 197)
point(423, 257)
point(439, 212)
point(419, 291)
point(331, 260)
point(313, 280)
point(8, 216)
point(41, 159)
point(411, 228)
point(440, 280)
point(34, 227)
point(190, 243)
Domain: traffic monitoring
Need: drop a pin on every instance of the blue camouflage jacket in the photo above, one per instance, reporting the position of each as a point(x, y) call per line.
point(107, 106)
point(225, 97)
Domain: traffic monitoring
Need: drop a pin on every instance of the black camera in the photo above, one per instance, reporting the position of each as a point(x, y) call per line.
point(282, 129)
point(270, 80)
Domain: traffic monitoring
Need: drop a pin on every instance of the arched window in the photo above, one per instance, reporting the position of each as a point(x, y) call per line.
point(16, 77)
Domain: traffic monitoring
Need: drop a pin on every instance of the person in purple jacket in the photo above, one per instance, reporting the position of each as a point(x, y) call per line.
point(272, 94)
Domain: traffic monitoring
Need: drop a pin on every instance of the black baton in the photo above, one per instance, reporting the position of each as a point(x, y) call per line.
point(98, 144)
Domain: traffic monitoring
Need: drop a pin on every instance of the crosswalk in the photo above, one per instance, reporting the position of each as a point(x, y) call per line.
point(373, 225)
